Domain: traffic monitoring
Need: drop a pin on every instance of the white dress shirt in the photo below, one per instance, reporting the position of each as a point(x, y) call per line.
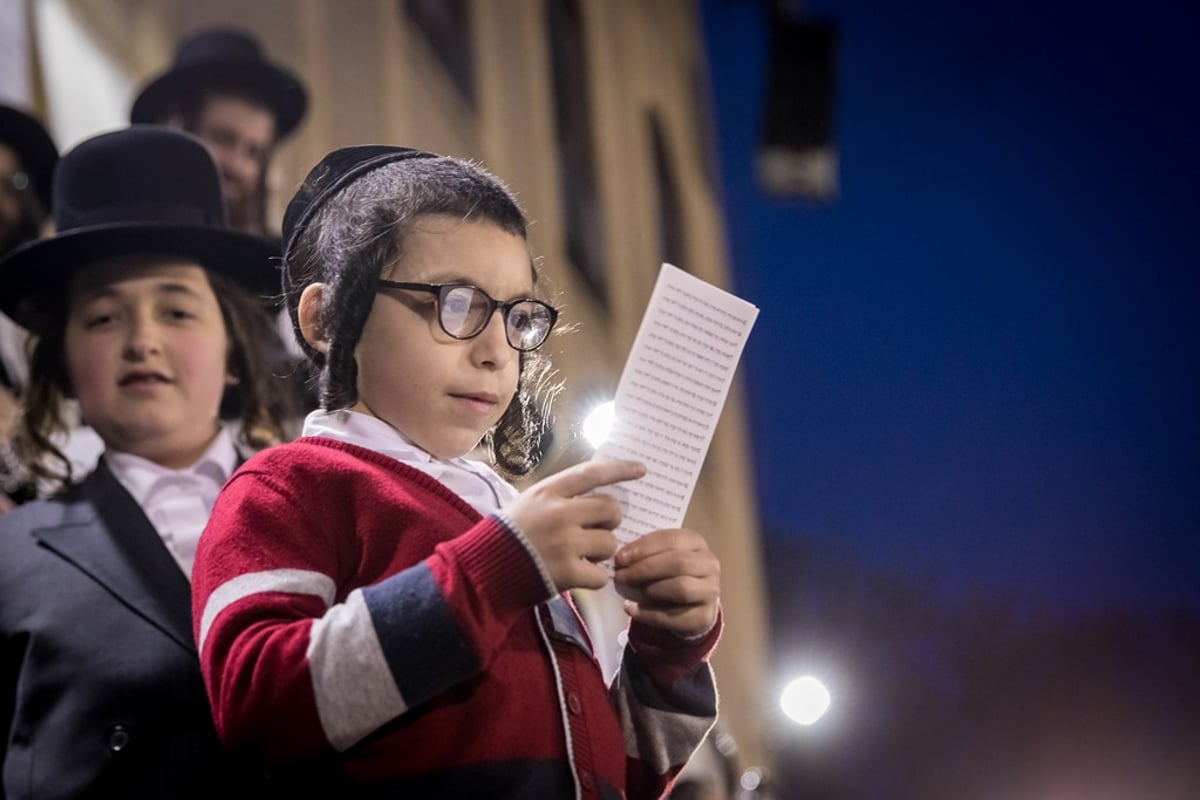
point(178, 501)
point(473, 481)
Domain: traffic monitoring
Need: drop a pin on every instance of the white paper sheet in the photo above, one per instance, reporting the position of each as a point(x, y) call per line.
point(671, 394)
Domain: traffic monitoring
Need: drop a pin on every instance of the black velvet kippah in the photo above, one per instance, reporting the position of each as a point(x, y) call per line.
point(336, 170)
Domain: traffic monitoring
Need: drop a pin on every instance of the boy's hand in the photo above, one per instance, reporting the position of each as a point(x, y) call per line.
point(670, 579)
point(569, 525)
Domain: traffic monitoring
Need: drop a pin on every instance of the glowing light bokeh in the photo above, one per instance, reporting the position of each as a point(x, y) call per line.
point(805, 700)
point(599, 424)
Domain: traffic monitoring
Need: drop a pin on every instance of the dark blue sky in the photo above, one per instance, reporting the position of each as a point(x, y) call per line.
point(980, 366)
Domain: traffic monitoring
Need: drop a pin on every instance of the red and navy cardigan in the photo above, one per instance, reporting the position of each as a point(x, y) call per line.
point(353, 612)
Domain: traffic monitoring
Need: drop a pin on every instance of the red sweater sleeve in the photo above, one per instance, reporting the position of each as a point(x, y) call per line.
point(329, 601)
point(666, 699)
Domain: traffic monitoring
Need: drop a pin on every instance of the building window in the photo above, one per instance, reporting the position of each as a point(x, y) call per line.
point(446, 25)
point(706, 122)
point(578, 184)
point(671, 242)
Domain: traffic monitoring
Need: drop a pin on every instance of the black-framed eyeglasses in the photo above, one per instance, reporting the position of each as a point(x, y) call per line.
point(464, 310)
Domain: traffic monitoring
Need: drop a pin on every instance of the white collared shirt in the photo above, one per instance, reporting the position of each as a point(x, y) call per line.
point(473, 481)
point(178, 501)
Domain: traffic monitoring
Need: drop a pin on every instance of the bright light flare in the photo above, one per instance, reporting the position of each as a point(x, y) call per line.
point(805, 700)
point(598, 425)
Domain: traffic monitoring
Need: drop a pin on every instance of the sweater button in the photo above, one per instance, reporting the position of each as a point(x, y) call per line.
point(574, 703)
point(118, 738)
point(585, 781)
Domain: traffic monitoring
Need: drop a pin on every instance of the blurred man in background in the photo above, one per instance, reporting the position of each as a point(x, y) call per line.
point(221, 88)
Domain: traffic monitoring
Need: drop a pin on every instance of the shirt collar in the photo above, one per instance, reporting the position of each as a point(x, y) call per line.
point(141, 477)
point(475, 482)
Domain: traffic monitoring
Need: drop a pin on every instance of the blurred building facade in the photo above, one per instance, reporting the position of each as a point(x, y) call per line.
point(594, 111)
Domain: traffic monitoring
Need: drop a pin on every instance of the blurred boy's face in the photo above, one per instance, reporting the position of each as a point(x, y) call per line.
point(146, 356)
point(443, 394)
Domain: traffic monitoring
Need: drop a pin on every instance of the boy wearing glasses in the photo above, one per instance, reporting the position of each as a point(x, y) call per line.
point(379, 614)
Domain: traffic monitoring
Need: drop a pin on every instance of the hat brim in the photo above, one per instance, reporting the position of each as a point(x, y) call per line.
point(38, 273)
point(282, 92)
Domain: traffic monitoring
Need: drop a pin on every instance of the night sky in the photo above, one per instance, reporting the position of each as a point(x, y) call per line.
point(982, 361)
point(974, 386)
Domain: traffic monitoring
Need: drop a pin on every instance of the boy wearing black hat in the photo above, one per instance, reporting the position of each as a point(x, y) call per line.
point(221, 88)
point(141, 308)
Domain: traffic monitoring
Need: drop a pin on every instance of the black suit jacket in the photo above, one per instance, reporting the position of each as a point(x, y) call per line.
point(100, 688)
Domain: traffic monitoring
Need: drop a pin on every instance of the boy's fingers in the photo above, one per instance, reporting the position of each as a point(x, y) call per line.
point(591, 475)
point(596, 545)
point(598, 511)
point(681, 591)
point(588, 575)
point(660, 542)
point(686, 620)
point(664, 565)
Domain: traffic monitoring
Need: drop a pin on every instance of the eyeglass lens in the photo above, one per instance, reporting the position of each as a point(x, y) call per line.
point(464, 311)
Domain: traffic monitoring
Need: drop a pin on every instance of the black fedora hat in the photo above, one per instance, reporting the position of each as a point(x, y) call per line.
point(37, 151)
point(223, 58)
point(144, 189)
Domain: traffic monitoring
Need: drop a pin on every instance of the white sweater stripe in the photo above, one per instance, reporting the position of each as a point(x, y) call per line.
point(352, 682)
point(290, 581)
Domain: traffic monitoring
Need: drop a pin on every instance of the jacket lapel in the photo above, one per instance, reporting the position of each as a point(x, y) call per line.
point(105, 534)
